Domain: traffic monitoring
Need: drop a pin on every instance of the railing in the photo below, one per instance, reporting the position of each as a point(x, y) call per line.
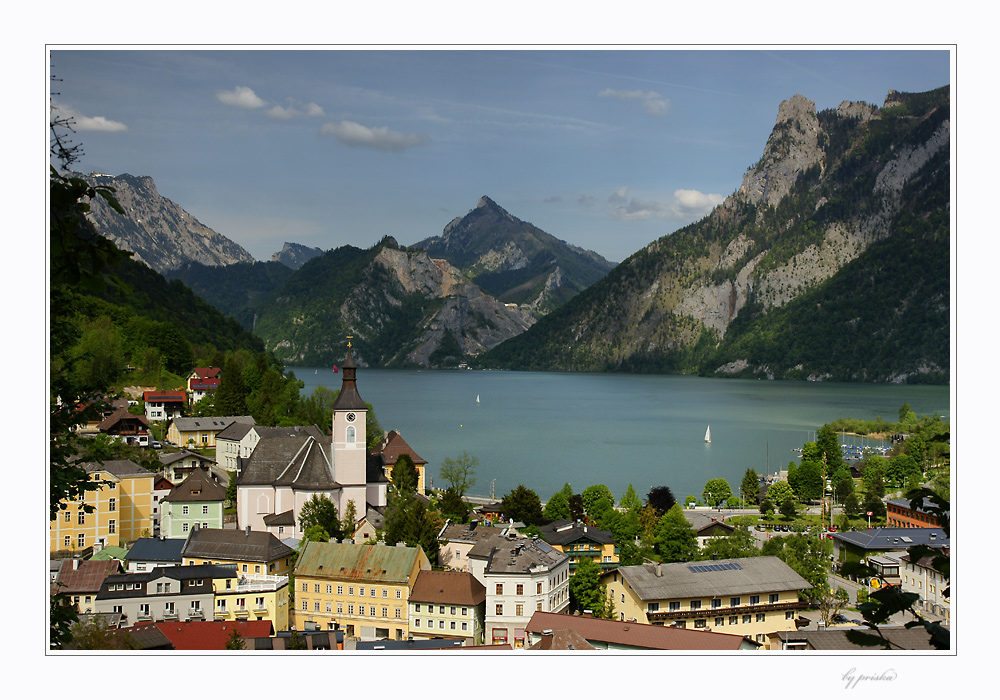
point(170, 615)
point(221, 614)
point(242, 612)
point(196, 612)
point(722, 611)
point(259, 583)
point(262, 608)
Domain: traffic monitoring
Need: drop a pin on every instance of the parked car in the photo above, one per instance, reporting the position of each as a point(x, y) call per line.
point(156, 445)
point(839, 618)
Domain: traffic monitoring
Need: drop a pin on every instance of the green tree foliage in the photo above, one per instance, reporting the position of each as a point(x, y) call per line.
point(460, 472)
point(777, 492)
point(750, 486)
point(405, 477)
point(350, 520)
point(407, 520)
point(320, 511)
point(597, 500)
point(630, 500)
point(557, 507)
point(807, 555)
point(585, 589)
point(787, 507)
point(452, 506)
point(739, 543)
point(675, 539)
point(235, 642)
point(828, 443)
point(661, 498)
point(522, 504)
point(94, 635)
point(807, 481)
point(716, 491)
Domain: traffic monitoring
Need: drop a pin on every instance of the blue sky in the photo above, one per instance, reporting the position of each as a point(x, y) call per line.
point(606, 149)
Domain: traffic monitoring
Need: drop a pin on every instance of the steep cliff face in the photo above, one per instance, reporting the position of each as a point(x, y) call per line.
point(155, 229)
point(295, 255)
point(834, 194)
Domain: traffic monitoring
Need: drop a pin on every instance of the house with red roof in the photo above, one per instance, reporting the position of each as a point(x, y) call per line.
point(198, 635)
point(163, 404)
point(127, 427)
point(392, 447)
point(203, 381)
point(81, 580)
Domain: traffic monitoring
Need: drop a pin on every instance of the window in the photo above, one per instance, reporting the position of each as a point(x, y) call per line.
point(519, 610)
point(361, 591)
point(734, 602)
point(465, 626)
point(305, 605)
point(81, 518)
point(204, 510)
point(499, 589)
point(773, 598)
point(755, 600)
point(371, 611)
point(453, 626)
point(385, 593)
point(499, 608)
point(520, 589)
point(652, 607)
point(453, 609)
point(699, 624)
point(385, 611)
point(329, 588)
point(696, 605)
point(441, 624)
point(305, 587)
point(316, 606)
point(159, 588)
point(66, 519)
point(399, 594)
point(538, 587)
point(351, 433)
point(168, 608)
point(720, 621)
point(221, 605)
point(66, 539)
point(143, 609)
point(196, 605)
point(350, 590)
point(746, 619)
point(184, 527)
point(350, 609)
point(399, 613)
point(184, 510)
point(340, 608)
point(371, 592)
point(111, 505)
point(440, 610)
point(789, 615)
point(716, 602)
point(416, 622)
point(340, 589)
point(734, 619)
point(315, 588)
point(465, 611)
point(760, 617)
point(675, 605)
point(111, 527)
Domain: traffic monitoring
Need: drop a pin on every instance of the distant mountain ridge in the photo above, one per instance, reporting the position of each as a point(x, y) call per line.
point(158, 231)
point(831, 262)
point(295, 255)
point(513, 260)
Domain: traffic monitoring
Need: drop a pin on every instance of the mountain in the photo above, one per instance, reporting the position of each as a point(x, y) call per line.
point(158, 231)
point(515, 261)
point(295, 255)
point(234, 289)
point(402, 308)
point(830, 262)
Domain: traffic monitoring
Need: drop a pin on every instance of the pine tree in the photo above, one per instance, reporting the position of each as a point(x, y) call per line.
point(675, 539)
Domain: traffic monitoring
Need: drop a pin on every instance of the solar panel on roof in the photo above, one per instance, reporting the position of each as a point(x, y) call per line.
point(727, 566)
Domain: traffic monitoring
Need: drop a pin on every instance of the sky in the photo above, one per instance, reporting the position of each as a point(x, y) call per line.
point(607, 149)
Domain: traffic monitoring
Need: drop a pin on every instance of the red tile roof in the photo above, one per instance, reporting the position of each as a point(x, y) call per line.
point(211, 636)
point(447, 587)
point(87, 577)
point(206, 372)
point(393, 445)
point(165, 395)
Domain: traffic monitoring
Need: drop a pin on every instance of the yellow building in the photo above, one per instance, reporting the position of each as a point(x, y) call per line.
point(123, 509)
point(363, 588)
point(752, 596)
point(579, 541)
point(248, 597)
point(254, 553)
point(200, 431)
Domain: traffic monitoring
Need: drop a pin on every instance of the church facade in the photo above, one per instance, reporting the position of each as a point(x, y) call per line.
point(283, 473)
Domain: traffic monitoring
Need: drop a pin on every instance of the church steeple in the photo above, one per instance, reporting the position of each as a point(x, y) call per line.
point(349, 399)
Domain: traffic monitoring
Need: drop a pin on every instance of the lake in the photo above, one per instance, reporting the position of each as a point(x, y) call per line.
point(542, 429)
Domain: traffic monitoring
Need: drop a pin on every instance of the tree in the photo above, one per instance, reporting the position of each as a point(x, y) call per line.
point(313, 533)
point(661, 498)
point(716, 491)
point(597, 500)
point(630, 500)
point(831, 604)
point(405, 477)
point(739, 543)
point(460, 472)
point(231, 487)
point(320, 510)
point(350, 519)
point(522, 504)
point(675, 539)
point(808, 484)
point(585, 589)
point(452, 506)
point(777, 492)
point(787, 507)
point(557, 507)
point(95, 635)
point(829, 445)
point(407, 520)
point(750, 486)
point(236, 641)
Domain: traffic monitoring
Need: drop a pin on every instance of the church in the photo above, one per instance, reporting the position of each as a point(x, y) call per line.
point(284, 472)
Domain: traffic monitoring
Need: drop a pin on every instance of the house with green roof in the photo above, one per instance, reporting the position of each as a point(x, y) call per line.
point(363, 588)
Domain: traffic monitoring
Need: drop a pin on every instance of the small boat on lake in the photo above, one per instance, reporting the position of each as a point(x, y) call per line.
point(708, 434)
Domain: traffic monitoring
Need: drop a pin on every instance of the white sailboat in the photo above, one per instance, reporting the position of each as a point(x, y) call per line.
point(708, 434)
point(477, 398)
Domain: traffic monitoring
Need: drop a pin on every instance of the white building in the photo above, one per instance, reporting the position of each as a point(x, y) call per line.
point(521, 576)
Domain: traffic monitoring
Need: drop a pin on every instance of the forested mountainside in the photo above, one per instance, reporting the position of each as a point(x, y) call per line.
point(515, 261)
point(157, 230)
point(830, 262)
point(402, 308)
point(233, 289)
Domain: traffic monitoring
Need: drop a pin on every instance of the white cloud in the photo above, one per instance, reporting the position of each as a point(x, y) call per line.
point(285, 113)
point(651, 102)
point(688, 205)
point(84, 123)
point(240, 97)
point(379, 137)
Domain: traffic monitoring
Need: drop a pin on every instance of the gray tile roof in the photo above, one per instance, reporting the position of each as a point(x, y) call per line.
point(563, 532)
point(234, 545)
point(835, 639)
point(216, 423)
point(155, 549)
point(121, 468)
point(507, 555)
point(887, 538)
point(198, 487)
point(702, 579)
point(302, 461)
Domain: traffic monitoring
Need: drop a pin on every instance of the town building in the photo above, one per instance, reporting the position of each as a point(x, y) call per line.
point(392, 447)
point(360, 587)
point(448, 605)
point(458, 539)
point(616, 635)
point(706, 525)
point(162, 487)
point(177, 466)
point(856, 546)
point(198, 500)
point(161, 405)
point(749, 597)
point(900, 514)
point(201, 382)
point(208, 635)
point(126, 427)
point(254, 597)
point(200, 431)
point(253, 553)
point(81, 581)
point(521, 576)
point(235, 444)
point(836, 640)
point(149, 553)
point(167, 593)
point(122, 510)
point(580, 541)
point(283, 473)
point(920, 577)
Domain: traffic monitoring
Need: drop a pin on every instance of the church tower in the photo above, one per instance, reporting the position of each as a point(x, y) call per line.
point(350, 453)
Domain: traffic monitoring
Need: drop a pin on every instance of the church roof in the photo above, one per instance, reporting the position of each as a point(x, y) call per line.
point(302, 461)
point(349, 398)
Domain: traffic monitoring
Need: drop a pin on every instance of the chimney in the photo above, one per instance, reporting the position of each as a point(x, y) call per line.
point(659, 569)
point(76, 563)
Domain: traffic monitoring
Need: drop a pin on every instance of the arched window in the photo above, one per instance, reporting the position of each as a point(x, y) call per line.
point(350, 433)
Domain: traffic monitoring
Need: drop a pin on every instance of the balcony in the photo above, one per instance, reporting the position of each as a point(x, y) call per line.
point(221, 614)
point(259, 583)
point(170, 615)
point(242, 613)
point(260, 609)
point(196, 613)
point(664, 615)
